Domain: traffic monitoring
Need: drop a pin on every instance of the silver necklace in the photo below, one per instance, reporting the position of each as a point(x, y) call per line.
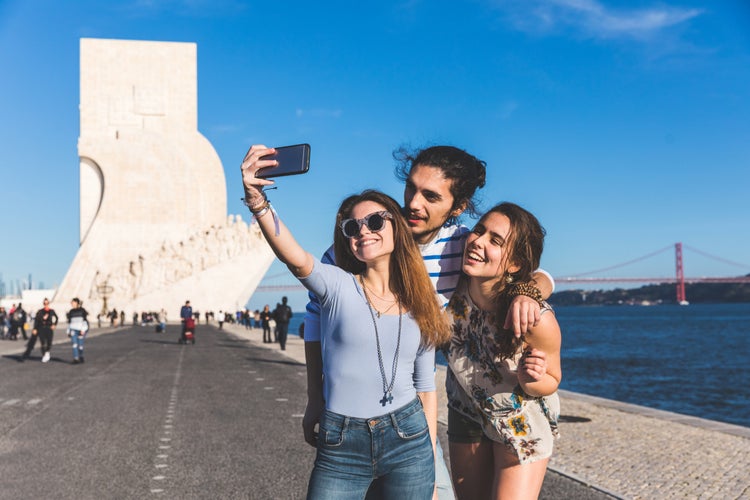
point(387, 388)
point(377, 312)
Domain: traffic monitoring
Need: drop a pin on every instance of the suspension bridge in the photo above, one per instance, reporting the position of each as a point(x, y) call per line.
point(284, 282)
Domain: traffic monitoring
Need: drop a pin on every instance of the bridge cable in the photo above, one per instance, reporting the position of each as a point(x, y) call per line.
point(624, 263)
point(277, 275)
point(720, 259)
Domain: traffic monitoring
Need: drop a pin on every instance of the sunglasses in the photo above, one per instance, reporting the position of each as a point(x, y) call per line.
point(375, 222)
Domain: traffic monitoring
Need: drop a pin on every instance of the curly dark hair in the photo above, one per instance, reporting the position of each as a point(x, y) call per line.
point(467, 172)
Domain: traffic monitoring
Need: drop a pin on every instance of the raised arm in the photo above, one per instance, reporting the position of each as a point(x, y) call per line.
point(281, 241)
point(314, 363)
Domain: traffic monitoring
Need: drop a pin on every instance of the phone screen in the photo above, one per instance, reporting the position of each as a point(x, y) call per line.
point(292, 160)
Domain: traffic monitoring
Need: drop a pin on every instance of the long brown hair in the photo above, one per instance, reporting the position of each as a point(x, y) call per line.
point(523, 249)
point(409, 280)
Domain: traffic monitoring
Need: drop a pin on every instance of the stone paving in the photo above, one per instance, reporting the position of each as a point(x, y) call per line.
point(635, 452)
point(624, 450)
point(630, 451)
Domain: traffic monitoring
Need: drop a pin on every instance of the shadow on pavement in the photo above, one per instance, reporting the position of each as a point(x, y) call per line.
point(572, 419)
point(289, 362)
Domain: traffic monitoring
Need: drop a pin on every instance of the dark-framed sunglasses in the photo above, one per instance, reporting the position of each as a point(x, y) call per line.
point(375, 222)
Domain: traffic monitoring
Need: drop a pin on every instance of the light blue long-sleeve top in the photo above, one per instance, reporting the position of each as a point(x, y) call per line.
point(352, 382)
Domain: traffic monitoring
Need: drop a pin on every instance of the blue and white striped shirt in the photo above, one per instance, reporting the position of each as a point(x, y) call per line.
point(443, 258)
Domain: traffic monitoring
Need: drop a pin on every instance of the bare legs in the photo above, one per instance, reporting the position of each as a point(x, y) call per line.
point(489, 470)
point(472, 469)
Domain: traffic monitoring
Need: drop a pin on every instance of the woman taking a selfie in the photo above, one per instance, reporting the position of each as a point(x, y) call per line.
point(502, 390)
point(380, 323)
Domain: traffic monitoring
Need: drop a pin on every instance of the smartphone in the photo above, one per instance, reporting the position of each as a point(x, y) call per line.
point(292, 160)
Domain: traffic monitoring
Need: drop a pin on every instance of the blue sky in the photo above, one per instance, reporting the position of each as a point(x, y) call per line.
point(624, 126)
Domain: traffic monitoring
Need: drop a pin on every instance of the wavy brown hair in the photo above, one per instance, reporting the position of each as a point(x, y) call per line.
point(523, 248)
point(409, 280)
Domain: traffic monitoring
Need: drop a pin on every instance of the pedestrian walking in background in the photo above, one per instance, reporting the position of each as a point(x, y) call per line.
point(162, 319)
point(275, 325)
point(12, 331)
point(78, 327)
point(18, 322)
point(265, 323)
point(282, 315)
point(3, 321)
point(186, 312)
point(45, 322)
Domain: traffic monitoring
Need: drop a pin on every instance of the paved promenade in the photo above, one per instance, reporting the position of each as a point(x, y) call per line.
point(619, 450)
point(629, 451)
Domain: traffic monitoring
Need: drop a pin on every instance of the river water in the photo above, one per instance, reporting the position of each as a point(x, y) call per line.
point(685, 359)
point(691, 359)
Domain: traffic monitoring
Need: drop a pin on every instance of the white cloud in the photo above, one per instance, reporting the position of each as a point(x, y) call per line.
point(319, 113)
point(593, 18)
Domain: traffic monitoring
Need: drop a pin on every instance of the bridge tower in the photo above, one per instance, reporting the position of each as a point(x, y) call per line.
point(680, 275)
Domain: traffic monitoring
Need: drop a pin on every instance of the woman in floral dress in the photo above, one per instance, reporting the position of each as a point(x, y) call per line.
point(502, 390)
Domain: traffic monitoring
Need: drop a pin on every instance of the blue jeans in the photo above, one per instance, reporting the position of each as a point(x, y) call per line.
point(394, 448)
point(442, 475)
point(76, 336)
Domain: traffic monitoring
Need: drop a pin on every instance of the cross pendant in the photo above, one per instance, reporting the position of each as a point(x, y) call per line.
point(387, 398)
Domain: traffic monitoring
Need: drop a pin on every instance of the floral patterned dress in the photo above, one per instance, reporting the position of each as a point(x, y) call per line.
point(483, 386)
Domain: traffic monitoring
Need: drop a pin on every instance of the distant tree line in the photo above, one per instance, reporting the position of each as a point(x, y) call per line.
point(697, 293)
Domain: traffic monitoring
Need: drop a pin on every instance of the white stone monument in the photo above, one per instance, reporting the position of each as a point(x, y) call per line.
point(154, 228)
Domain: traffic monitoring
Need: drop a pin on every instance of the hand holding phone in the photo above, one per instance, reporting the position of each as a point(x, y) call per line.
point(292, 160)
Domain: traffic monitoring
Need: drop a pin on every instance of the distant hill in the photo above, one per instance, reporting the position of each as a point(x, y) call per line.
point(697, 293)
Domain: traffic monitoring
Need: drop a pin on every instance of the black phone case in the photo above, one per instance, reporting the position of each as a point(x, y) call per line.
point(293, 160)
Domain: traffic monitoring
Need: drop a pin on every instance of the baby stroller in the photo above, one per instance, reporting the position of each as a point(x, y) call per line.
point(189, 331)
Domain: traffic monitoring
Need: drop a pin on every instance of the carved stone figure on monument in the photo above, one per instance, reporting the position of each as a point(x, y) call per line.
point(237, 239)
point(160, 266)
point(214, 247)
point(135, 276)
point(118, 284)
point(149, 277)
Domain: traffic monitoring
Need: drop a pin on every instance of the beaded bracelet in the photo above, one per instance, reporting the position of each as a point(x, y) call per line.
point(256, 209)
point(527, 290)
point(263, 211)
point(263, 208)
